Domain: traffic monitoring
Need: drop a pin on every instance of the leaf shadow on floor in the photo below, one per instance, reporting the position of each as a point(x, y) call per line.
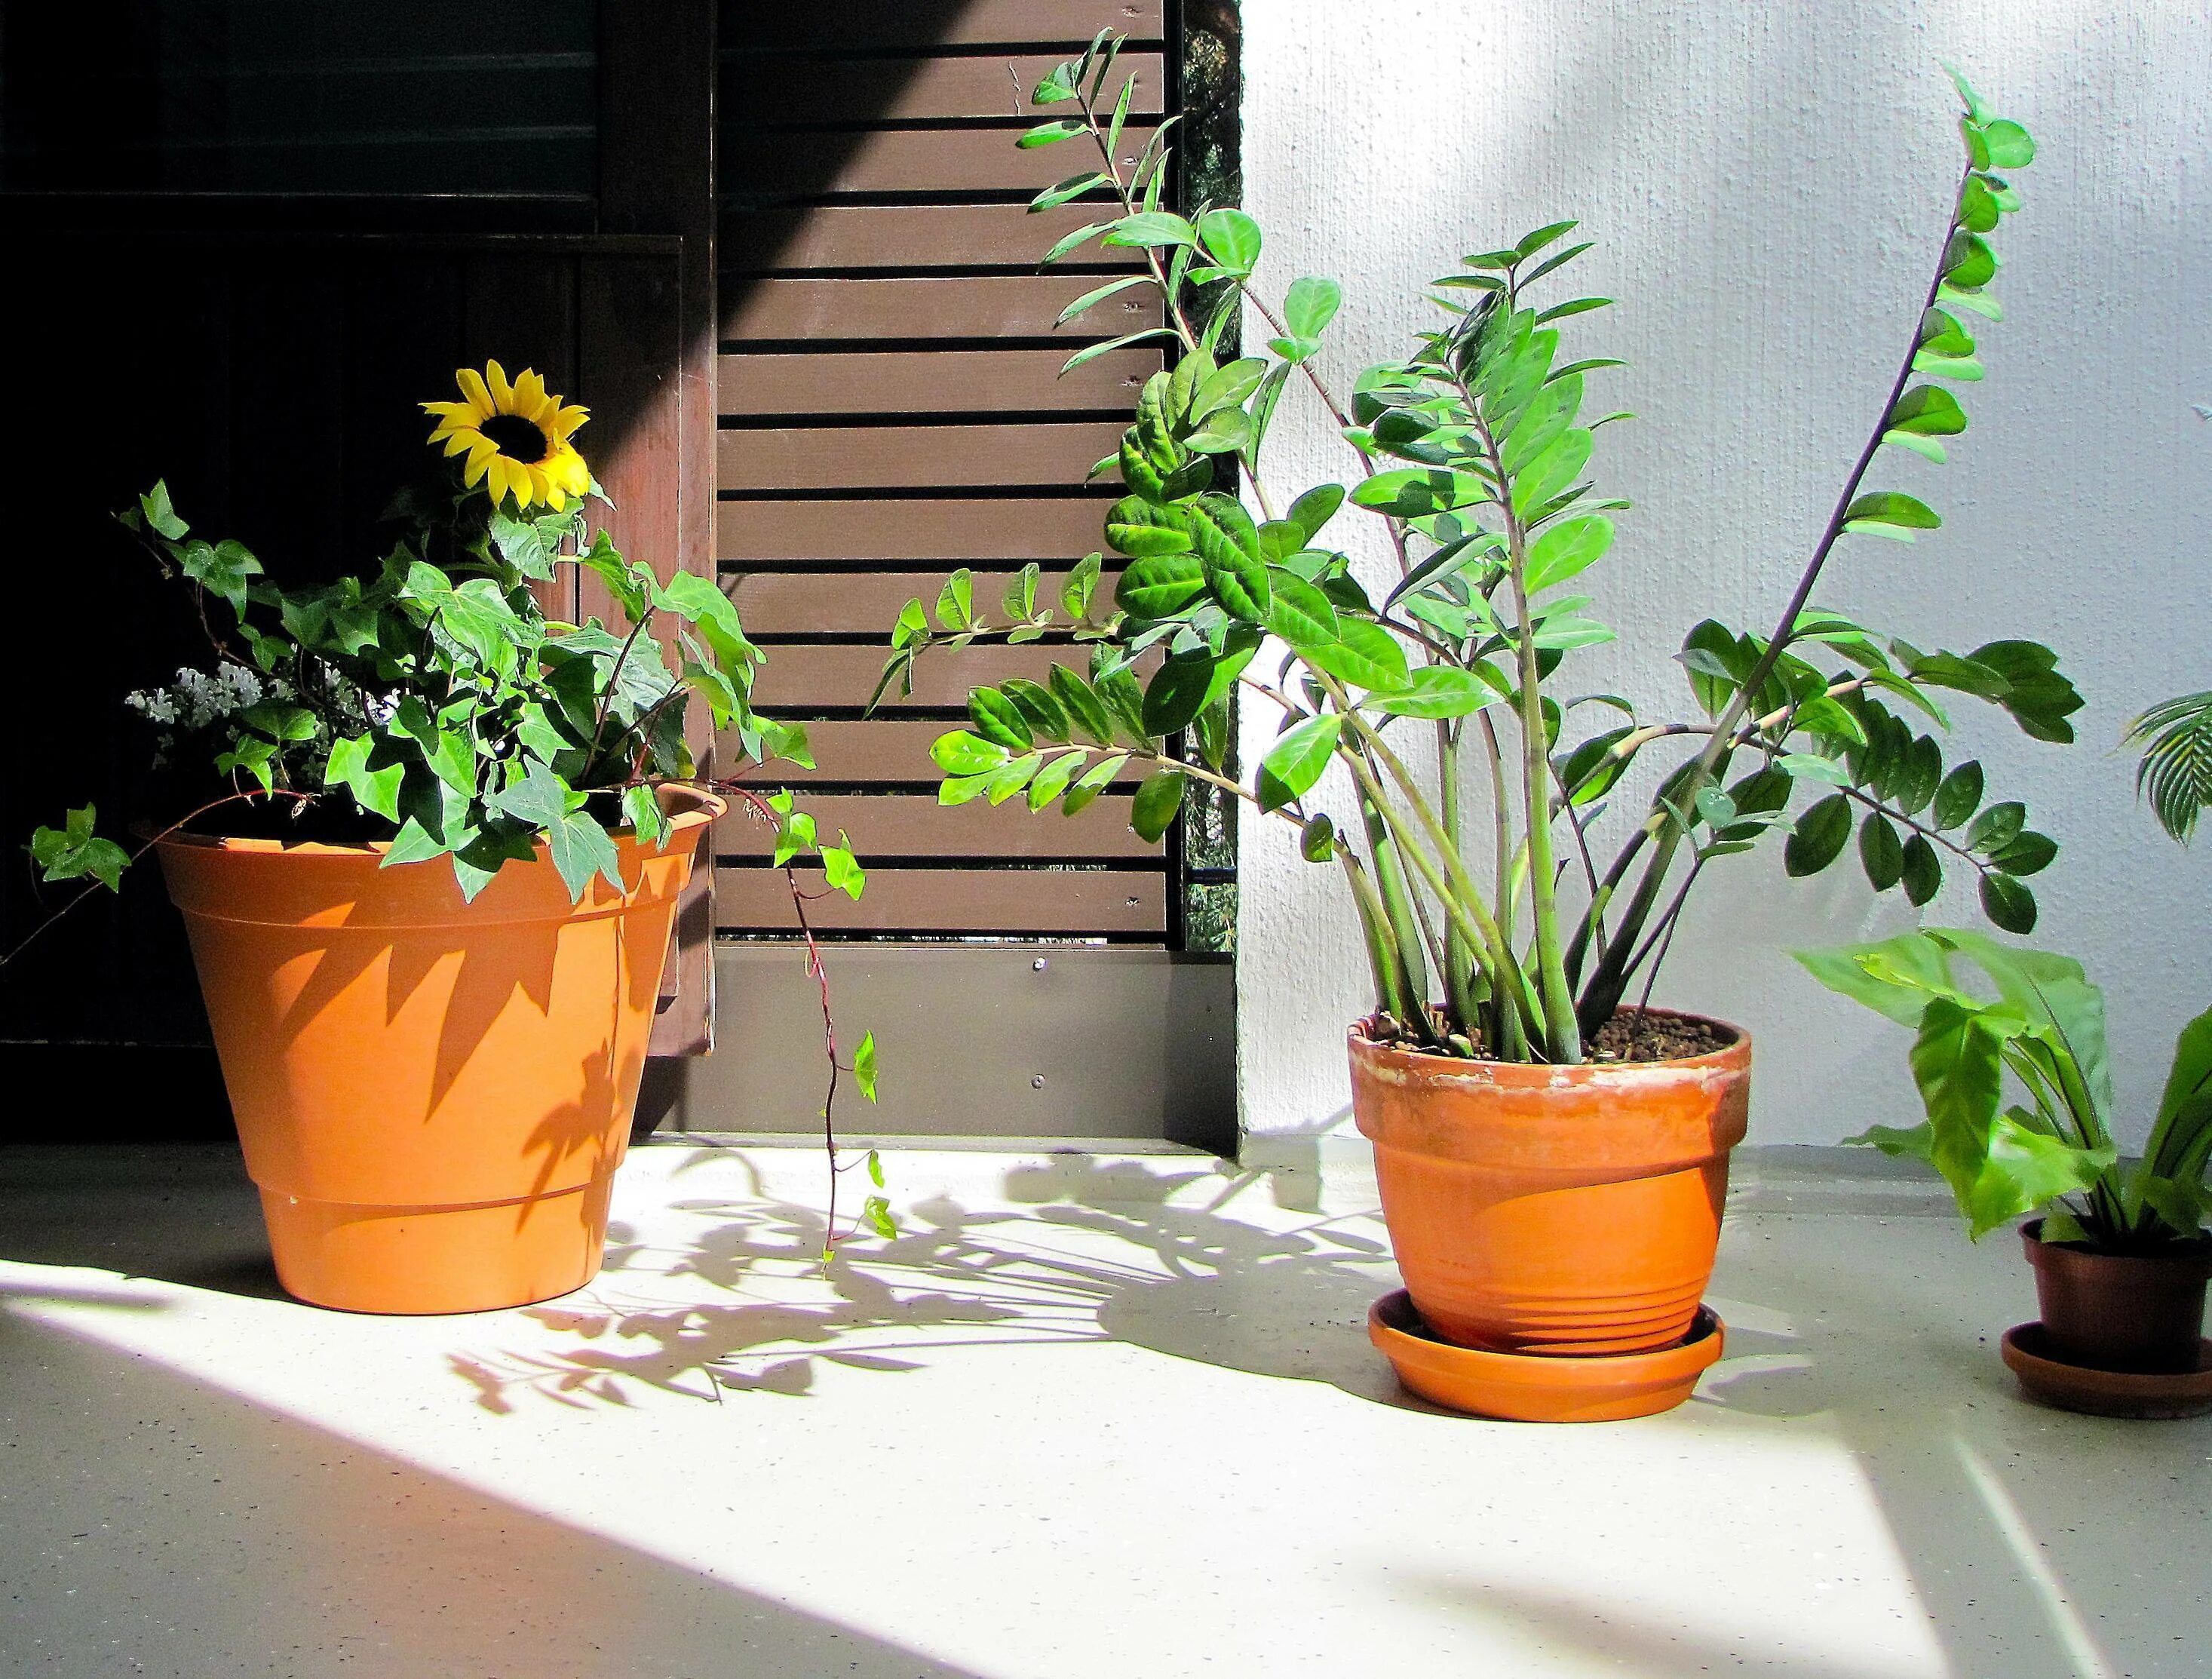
point(1090, 1253)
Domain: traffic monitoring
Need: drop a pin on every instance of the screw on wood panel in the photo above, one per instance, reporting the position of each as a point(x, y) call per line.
point(1037, 966)
point(1037, 1083)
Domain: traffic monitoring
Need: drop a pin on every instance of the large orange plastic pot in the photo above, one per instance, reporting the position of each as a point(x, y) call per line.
point(1568, 1210)
point(433, 1094)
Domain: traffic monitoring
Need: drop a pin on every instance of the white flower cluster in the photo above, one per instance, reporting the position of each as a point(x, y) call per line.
point(198, 700)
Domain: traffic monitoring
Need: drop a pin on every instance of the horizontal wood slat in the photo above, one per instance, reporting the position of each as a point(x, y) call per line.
point(790, 163)
point(871, 752)
point(800, 677)
point(913, 457)
point(760, 91)
point(747, 26)
point(863, 236)
point(954, 531)
point(1013, 306)
point(946, 382)
point(914, 825)
point(924, 900)
point(785, 603)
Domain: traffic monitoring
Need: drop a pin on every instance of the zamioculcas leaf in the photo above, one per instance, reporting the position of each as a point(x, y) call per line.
point(1996, 827)
point(997, 719)
point(1141, 529)
point(963, 753)
point(1439, 690)
point(1881, 853)
point(1363, 654)
point(1551, 472)
point(1310, 304)
point(1083, 707)
point(1150, 229)
point(1314, 509)
point(1959, 795)
point(1039, 709)
point(1923, 870)
point(1414, 492)
point(1160, 584)
point(1298, 611)
point(1567, 549)
point(1228, 547)
point(1092, 781)
point(1232, 238)
point(1929, 410)
point(1297, 760)
point(1177, 693)
point(2007, 903)
point(1890, 513)
point(1819, 836)
point(1158, 800)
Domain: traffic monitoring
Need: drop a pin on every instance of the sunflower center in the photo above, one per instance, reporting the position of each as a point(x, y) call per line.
point(516, 438)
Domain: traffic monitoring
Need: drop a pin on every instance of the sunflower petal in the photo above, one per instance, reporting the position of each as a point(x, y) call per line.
point(472, 387)
point(561, 424)
point(529, 393)
point(461, 442)
point(502, 393)
point(451, 410)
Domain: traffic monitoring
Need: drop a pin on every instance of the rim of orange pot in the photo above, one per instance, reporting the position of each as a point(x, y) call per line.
point(1733, 1053)
point(701, 808)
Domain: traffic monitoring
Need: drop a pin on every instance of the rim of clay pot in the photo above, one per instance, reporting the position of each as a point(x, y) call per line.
point(699, 807)
point(2193, 1255)
point(1734, 1054)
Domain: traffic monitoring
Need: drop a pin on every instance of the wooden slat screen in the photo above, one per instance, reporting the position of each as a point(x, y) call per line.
point(891, 408)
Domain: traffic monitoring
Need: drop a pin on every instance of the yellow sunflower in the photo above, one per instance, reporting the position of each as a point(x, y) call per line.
point(516, 436)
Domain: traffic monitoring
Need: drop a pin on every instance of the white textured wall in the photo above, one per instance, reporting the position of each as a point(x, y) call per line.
point(1766, 184)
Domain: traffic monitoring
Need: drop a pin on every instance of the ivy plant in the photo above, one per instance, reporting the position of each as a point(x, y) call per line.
point(1493, 924)
point(2039, 1038)
point(435, 705)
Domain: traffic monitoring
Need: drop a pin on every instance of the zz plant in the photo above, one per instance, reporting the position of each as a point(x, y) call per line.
point(1491, 924)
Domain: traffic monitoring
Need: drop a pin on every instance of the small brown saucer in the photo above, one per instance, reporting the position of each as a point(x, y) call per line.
point(2107, 1393)
point(1533, 1387)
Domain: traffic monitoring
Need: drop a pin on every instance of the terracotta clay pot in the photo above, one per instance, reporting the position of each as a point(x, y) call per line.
point(433, 1094)
point(2119, 1311)
point(1567, 1210)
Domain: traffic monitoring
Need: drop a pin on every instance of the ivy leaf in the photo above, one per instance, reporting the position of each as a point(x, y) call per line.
point(74, 851)
point(376, 790)
point(864, 1074)
point(580, 845)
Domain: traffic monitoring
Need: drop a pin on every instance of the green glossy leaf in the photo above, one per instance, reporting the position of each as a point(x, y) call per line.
point(1415, 492)
point(1364, 655)
point(961, 752)
point(2007, 903)
point(1310, 304)
point(998, 719)
point(1232, 238)
point(1439, 690)
point(1153, 810)
point(1959, 795)
point(1567, 549)
point(1160, 584)
point(1552, 470)
point(1084, 707)
point(1922, 870)
point(1819, 837)
point(1297, 760)
point(1882, 853)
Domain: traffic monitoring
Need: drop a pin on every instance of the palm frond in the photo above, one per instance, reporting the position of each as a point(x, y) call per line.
point(2176, 772)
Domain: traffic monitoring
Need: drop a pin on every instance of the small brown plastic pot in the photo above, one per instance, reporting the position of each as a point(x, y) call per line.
point(1567, 1211)
point(2119, 1311)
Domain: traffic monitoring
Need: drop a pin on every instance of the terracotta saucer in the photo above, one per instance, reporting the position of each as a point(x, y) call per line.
point(1524, 1387)
point(2107, 1393)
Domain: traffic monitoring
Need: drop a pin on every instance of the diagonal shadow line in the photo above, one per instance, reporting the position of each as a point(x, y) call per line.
point(327, 1548)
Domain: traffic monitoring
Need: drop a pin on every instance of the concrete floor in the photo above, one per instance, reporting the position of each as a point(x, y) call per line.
point(1087, 1416)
